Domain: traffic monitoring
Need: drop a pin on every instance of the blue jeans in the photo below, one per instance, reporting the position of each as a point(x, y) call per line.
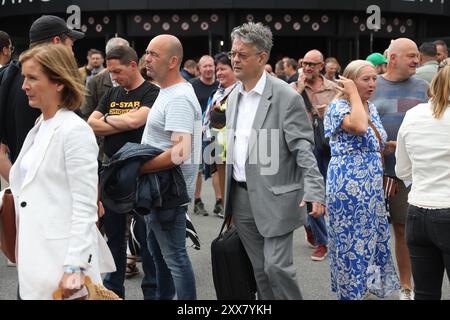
point(167, 243)
point(428, 238)
point(318, 225)
point(164, 280)
point(318, 228)
point(115, 225)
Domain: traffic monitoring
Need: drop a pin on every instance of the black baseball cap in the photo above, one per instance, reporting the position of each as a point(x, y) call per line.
point(47, 27)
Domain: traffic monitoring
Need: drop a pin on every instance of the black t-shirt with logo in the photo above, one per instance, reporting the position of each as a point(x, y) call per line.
point(117, 101)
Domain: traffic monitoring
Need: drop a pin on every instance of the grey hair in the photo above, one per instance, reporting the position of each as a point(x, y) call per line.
point(114, 42)
point(255, 33)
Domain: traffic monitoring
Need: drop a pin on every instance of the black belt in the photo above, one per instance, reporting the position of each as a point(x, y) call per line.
point(241, 184)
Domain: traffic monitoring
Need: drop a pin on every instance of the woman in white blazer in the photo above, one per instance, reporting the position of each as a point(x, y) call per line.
point(423, 157)
point(54, 183)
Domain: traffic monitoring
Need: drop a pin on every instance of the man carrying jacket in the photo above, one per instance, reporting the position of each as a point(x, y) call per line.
point(174, 126)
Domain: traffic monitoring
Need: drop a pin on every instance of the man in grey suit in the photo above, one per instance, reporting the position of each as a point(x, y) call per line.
point(267, 196)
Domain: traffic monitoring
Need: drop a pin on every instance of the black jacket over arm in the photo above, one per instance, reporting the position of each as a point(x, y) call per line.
point(123, 190)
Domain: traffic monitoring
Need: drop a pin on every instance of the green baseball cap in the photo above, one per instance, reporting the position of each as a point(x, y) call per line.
point(376, 58)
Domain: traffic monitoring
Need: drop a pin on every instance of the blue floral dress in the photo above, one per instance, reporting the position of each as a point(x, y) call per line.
point(358, 230)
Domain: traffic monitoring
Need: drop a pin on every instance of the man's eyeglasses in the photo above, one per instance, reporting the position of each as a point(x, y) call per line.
point(12, 49)
point(310, 64)
point(241, 55)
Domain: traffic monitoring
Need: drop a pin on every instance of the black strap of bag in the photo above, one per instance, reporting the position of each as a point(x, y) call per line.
point(319, 130)
point(308, 103)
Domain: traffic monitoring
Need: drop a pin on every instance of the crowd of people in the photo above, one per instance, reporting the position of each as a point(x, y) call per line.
point(357, 148)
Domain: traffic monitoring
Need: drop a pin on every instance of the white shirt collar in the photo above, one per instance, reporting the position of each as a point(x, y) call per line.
point(259, 88)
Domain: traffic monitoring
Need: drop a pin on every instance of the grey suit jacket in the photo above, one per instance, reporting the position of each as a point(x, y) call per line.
point(275, 194)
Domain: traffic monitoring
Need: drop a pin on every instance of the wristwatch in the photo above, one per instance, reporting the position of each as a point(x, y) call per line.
point(72, 269)
point(105, 116)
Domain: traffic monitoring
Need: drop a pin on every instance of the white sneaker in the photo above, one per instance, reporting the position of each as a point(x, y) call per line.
point(10, 264)
point(406, 294)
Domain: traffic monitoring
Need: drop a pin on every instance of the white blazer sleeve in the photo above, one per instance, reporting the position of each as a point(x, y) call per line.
point(80, 151)
point(403, 165)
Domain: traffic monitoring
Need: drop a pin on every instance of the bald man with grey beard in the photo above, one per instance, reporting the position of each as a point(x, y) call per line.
point(398, 90)
point(318, 92)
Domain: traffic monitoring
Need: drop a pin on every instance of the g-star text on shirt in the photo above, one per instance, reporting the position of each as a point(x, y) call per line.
point(125, 104)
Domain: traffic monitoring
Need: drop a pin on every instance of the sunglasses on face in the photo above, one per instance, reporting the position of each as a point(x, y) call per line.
point(310, 64)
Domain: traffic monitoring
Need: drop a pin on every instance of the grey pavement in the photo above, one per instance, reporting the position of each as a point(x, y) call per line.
point(314, 277)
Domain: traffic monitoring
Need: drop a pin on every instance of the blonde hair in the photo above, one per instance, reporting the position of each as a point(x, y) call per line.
point(354, 68)
point(440, 90)
point(59, 65)
point(352, 71)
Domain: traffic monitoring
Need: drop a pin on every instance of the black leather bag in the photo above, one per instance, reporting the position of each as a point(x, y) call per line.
point(217, 118)
point(320, 142)
point(231, 268)
point(319, 136)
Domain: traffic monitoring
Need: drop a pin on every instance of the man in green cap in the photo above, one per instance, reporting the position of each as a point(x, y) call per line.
point(379, 61)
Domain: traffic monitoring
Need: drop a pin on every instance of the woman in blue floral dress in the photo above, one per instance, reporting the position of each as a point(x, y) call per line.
point(358, 230)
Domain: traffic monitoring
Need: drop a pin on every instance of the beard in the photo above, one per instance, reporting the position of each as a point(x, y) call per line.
point(310, 77)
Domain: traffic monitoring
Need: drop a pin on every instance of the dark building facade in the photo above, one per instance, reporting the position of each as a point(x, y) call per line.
point(337, 28)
